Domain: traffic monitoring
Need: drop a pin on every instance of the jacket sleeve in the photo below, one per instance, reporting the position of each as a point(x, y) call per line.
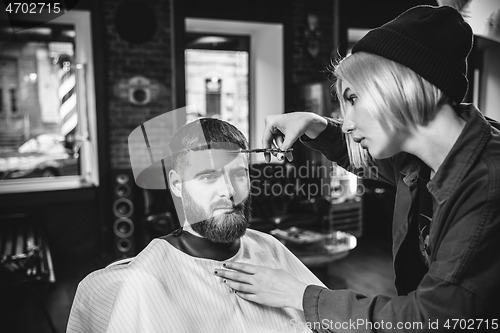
point(461, 287)
point(431, 308)
point(332, 144)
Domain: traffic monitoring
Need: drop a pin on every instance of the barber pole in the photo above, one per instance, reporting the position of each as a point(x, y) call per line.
point(67, 96)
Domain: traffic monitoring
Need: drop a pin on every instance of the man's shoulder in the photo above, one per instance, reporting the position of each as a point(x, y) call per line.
point(102, 279)
point(261, 237)
point(119, 270)
point(264, 244)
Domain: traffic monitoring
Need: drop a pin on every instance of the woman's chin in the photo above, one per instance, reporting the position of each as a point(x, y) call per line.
point(376, 154)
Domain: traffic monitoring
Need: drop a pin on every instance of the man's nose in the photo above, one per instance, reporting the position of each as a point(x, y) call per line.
point(226, 187)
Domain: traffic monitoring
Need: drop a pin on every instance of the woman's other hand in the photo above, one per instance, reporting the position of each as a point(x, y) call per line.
point(263, 285)
point(284, 129)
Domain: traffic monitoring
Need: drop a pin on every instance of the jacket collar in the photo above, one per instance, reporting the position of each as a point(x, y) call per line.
point(463, 154)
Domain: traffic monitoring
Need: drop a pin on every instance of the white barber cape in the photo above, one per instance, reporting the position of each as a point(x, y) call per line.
point(165, 290)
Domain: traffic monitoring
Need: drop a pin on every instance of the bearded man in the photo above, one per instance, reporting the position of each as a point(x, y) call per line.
point(172, 285)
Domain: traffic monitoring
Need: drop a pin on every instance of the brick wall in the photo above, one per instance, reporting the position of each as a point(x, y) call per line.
point(125, 60)
point(153, 60)
point(306, 67)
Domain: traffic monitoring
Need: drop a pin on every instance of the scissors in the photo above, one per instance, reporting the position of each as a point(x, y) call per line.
point(261, 150)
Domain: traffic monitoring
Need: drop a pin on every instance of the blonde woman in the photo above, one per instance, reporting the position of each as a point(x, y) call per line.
point(400, 94)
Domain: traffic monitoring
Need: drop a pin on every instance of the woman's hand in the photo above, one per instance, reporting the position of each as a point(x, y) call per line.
point(284, 129)
point(263, 285)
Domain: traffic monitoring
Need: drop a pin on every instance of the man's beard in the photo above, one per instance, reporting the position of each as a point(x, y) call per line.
point(224, 228)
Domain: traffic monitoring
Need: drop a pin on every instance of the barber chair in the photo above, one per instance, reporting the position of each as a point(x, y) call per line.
point(159, 217)
point(25, 268)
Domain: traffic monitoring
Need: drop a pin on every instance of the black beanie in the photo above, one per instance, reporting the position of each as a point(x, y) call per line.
point(432, 41)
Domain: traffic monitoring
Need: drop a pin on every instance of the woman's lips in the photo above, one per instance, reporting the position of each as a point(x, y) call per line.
point(360, 141)
point(357, 139)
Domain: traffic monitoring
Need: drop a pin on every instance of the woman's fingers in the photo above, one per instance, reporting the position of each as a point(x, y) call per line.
point(279, 141)
point(243, 290)
point(248, 297)
point(233, 275)
point(267, 137)
point(237, 281)
point(272, 137)
point(240, 287)
point(238, 276)
point(246, 268)
point(284, 130)
point(263, 285)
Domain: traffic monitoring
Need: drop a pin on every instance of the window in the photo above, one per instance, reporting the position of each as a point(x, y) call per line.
point(266, 74)
point(47, 106)
point(217, 78)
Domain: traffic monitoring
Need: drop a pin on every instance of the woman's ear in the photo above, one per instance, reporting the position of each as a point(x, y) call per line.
point(175, 183)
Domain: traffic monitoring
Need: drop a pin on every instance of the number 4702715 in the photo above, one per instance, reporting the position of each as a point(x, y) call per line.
point(33, 8)
point(471, 324)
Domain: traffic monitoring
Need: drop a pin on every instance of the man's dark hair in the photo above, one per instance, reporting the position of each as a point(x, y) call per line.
point(214, 134)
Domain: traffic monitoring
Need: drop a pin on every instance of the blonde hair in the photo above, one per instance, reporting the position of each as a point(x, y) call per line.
point(397, 97)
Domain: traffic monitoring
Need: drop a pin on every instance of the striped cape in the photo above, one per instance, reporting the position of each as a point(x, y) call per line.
point(165, 290)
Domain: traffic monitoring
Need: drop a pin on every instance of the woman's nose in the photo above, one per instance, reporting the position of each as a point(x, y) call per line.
point(348, 126)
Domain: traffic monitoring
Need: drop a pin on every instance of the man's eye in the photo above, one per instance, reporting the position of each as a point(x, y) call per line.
point(209, 177)
point(241, 174)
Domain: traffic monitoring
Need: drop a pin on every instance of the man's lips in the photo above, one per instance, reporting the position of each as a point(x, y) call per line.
point(227, 206)
point(225, 209)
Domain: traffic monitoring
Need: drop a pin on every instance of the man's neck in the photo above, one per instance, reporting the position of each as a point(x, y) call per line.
point(189, 242)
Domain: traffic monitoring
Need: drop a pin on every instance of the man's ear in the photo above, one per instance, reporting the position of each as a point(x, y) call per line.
point(175, 183)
